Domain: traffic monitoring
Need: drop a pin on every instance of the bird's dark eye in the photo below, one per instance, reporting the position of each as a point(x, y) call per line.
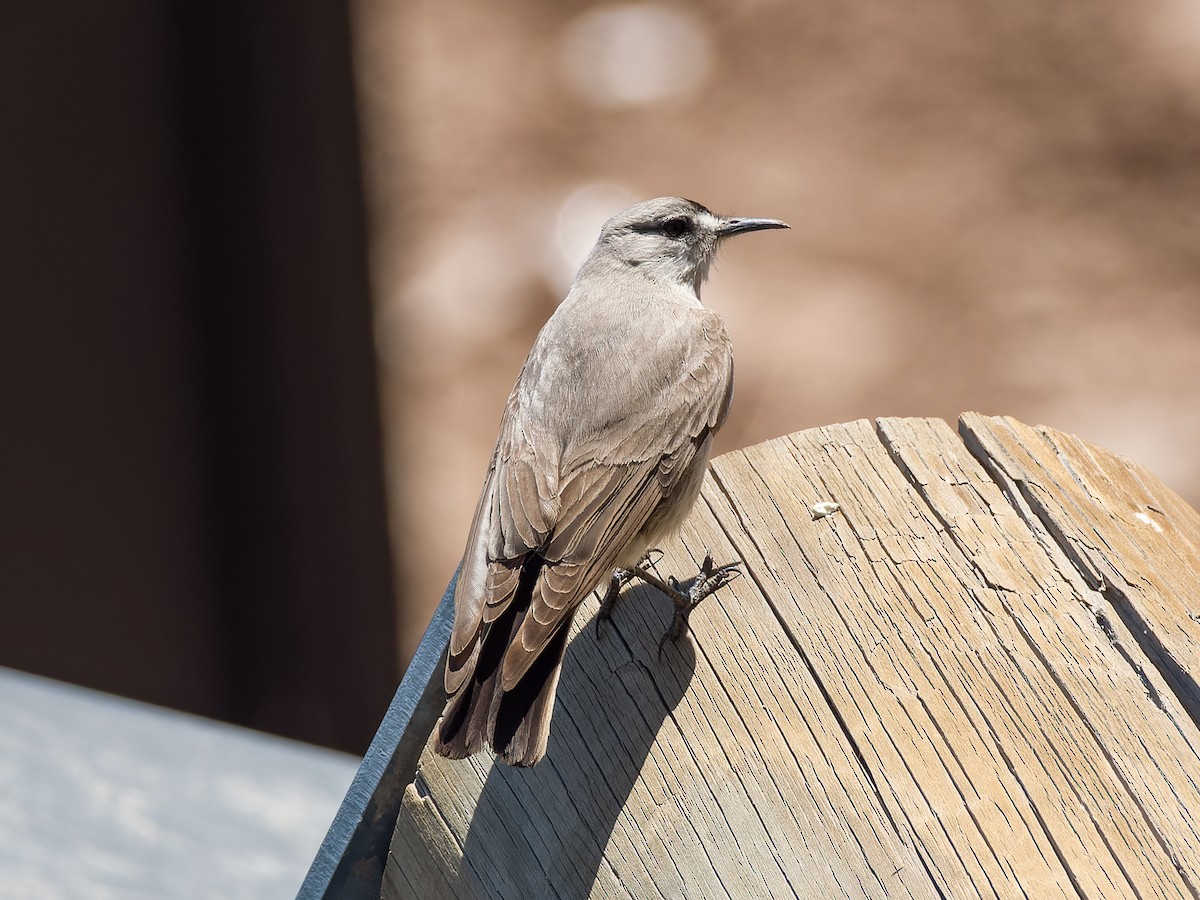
point(676, 227)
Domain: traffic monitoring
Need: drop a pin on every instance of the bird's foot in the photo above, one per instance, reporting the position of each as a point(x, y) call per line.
point(709, 580)
point(620, 578)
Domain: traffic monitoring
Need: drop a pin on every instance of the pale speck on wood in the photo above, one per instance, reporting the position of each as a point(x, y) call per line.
point(825, 508)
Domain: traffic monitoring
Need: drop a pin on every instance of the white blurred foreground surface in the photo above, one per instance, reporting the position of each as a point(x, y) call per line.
point(104, 797)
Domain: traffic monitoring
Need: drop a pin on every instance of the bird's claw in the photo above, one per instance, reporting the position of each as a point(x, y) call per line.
point(620, 578)
point(707, 581)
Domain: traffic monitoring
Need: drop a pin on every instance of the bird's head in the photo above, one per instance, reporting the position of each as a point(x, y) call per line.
point(672, 239)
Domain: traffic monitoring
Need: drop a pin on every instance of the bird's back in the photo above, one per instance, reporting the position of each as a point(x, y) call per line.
point(618, 372)
point(600, 435)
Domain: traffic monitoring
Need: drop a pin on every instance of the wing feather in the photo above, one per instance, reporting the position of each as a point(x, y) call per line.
point(577, 506)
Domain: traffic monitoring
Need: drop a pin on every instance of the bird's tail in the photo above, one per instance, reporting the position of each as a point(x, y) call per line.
point(514, 723)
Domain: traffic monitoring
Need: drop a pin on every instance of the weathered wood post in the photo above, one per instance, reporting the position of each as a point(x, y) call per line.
point(975, 679)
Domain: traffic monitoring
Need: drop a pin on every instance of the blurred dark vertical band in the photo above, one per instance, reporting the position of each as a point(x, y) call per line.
point(194, 509)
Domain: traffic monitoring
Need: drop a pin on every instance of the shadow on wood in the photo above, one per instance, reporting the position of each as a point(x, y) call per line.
point(550, 824)
point(977, 679)
point(571, 801)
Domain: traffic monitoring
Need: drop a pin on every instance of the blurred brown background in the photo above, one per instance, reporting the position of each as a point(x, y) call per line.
point(995, 207)
point(233, 234)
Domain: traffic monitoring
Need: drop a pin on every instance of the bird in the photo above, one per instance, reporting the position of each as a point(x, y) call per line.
point(603, 446)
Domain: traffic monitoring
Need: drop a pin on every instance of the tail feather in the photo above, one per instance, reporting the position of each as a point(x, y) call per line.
point(514, 723)
point(521, 724)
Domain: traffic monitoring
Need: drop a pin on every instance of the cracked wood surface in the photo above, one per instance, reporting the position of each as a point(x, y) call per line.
point(977, 679)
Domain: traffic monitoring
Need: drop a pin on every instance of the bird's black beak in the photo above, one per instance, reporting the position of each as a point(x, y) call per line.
point(731, 225)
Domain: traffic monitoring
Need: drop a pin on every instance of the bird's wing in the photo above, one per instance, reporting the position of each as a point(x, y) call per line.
point(510, 523)
point(564, 522)
point(607, 490)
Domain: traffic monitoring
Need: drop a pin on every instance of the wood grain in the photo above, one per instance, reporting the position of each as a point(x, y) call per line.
point(974, 680)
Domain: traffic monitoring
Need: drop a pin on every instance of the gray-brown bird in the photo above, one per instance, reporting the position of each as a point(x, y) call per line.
point(602, 450)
